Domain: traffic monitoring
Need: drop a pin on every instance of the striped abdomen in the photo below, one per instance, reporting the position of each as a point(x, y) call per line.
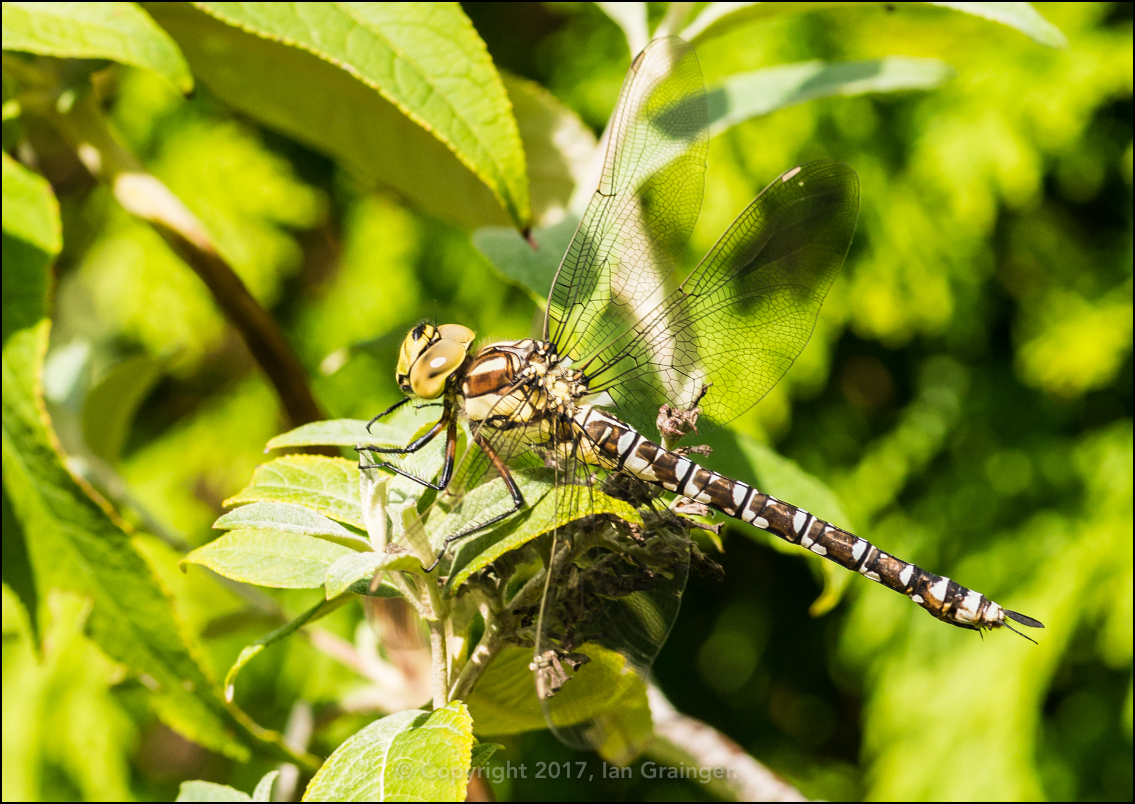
point(622, 448)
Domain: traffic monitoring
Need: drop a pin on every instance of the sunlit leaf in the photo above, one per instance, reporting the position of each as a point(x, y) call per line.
point(351, 569)
point(269, 558)
point(718, 18)
point(327, 485)
point(197, 790)
point(412, 755)
point(339, 433)
point(119, 32)
point(263, 791)
point(31, 215)
point(403, 94)
point(290, 518)
point(745, 95)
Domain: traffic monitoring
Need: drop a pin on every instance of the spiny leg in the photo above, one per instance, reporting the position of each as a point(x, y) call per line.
point(447, 421)
point(510, 484)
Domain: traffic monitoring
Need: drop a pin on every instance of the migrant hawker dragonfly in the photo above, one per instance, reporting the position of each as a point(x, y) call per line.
point(623, 338)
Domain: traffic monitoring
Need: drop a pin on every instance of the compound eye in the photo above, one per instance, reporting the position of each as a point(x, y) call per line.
point(457, 332)
point(433, 367)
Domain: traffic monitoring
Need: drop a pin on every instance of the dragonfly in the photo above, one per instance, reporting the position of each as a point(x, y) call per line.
point(628, 344)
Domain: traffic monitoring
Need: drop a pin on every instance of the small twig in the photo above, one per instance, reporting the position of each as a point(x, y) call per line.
point(681, 739)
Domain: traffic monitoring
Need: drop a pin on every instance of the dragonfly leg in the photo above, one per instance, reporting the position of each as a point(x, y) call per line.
point(446, 422)
point(388, 411)
point(510, 484)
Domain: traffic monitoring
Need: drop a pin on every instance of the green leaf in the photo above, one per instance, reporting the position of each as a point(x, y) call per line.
point(1021, 16)
point(504, 700)
point(545, 512)
point(31, 214)
point(289, 518)
point(412, 755)
point(110, 406)
point(329, 486)
point(340, 433)
point(532, 269)
point(558, 147)
point(319, 610)
point(351, 569)
point(403, 94)
point(482, 753)
point(718, 18)
point(785, 480)
point(269, 558)
point(263, 791)
point(198, 790)
point(760, 92)
point(72, 540)
point(16, 567)
point(120, 32)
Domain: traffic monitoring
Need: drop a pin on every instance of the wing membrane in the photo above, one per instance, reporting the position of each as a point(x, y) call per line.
point(637, 225)
point(746, 312)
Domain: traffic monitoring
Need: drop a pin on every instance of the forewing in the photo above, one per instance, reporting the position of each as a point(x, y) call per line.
point(630, 240)
point(746, 312)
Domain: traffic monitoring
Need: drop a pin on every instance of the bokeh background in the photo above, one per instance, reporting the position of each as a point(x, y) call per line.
point(967, 395)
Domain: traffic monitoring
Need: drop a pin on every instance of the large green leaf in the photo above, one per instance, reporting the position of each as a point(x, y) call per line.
point(426, 59)
point(270, 558)
point(408, 756)
point(120, 32)
point(718, 18)
point(760, 92)
point(329, 486)
point(73, 541)
point(403, 94)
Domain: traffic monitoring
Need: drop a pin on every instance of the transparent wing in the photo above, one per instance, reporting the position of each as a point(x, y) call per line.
point(636, 227)
point(611, 596)
point(745, 313)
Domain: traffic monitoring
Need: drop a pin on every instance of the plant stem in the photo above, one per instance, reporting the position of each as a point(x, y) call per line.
point(490, 645)
point(440, 663)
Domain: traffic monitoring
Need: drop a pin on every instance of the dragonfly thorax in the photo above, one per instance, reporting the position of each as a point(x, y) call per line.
point(515, 383)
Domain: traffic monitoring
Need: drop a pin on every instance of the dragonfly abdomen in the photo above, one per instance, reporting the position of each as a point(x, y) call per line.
point(622, 448)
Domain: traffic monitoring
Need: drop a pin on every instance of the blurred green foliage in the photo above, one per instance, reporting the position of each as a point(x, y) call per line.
point(968, 395)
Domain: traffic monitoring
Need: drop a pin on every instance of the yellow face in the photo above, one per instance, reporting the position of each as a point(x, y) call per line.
point(429, 355)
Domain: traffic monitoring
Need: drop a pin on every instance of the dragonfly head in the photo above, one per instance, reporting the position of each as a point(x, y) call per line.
point(429, 356)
